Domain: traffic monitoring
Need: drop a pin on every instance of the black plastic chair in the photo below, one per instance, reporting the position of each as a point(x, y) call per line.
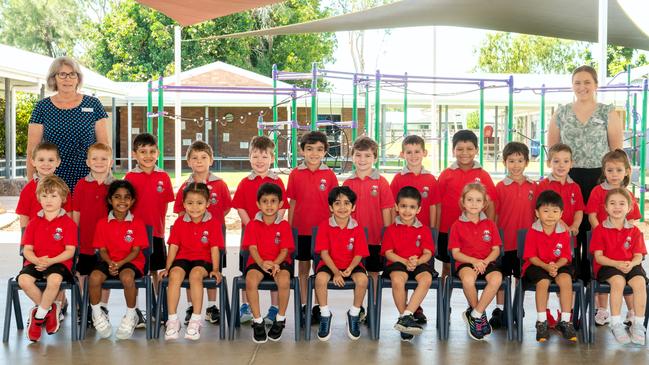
point(522, 287)
point(454, 282)
point(13, 299)
point(349, 285)
point(385, 282)
point(596, 287)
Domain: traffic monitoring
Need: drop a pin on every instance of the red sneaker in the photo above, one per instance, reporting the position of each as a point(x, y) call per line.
point(35, 327)
point(52, 321)
point(551, 321)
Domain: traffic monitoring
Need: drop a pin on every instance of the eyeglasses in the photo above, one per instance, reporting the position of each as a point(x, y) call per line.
point(67, 75)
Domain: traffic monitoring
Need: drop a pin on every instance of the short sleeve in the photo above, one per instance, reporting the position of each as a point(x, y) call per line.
point(290, 187)
point(394, 185)
point(38, 114)
point(28, 235)
point(174, 235)
point(360, 245)
point(427, 241)
point(78, 191)
point(169, 190)
point(24, 203)
point(71, 239)
point(635, 210)
point(238, 198)
point(141, 237)
point(454, 239)
point(561, 111)
point(287, 237)
point(388, 240)
point(322, 237)
point(597, 240)
point(69, 203)
point(98, 240)
point(489, 185)
point(566, 254)
point(496, 239)
point(593, 201)
point(217, 237)
point(98, 109)
point(178, 203)
point(280, 183)
point(530, 246)
point(435, 196)
point(580, 199)
point(638, 242)
point(387, 200)
point(225, 196)
point(249, 236)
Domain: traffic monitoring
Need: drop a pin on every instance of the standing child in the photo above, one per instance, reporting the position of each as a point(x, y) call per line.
point(514, 211)
point(374, 200)
point(408, 248)
point(619, 249)
point(200, 158)
point(308, 187)
point(342, 245)
point(616, 172)
point(548, 259)
point(49, 243)
point(194, 248)
point(451, 183)
point(270, 241)
point(475, 245)
point(261, 156)
point(120, 239)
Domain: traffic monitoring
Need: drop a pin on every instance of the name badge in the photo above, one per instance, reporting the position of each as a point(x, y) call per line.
point(87, 110)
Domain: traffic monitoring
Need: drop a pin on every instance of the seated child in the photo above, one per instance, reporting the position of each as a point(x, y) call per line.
point(49, 243)
point(194, 245)
point(341, 244)
point(120, 238)
point(408, 248)
point(548, 256)
point(619, 249)
point(475, 243)
point(270, 242)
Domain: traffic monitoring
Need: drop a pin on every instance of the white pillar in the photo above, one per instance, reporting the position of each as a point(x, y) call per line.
point(177, 107)
point(602, 43)
point(14, 103)
point(129, 133)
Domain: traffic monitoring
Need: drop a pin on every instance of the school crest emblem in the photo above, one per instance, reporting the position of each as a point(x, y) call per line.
point(557, 249)
point(323, 184)
point(424, 194)
point(627, 243)
point(213, 198)
point(278, 237)
point(418, 242)
point(159, 189)
point(375, 190)
point(128, 237)
point(350, 245)
point(486, 235)
point(204, 238)
point(58, 234)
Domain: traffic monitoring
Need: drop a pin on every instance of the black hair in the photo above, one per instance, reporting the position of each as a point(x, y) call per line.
point(197, 188)
point(114, 186)
point(549, 198)
point(269, 189)
point(314, 137)
point(341, 190)
point(513, 148)
point(144, 139)
point(465, 135)
point(409, 192)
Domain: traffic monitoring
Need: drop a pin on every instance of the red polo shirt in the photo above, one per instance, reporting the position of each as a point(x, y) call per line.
point(153, 194)
point(616, 244)
point(546, 247)
point(310, 189)
point(406, 241)
point(425, 182)
point(270, 239)
point(570, 194)
point(450, 184)
point(50, 238)
point(220, 202)
point(597, 203)
point(119, 238)
point(473, 239)
point(28, 204)
point(245, 197)
point(372, 196)
point(514, 208)
point(342, 244)
point(90, 202)
point(195, 240)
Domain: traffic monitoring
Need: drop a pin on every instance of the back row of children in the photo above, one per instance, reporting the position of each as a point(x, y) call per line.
point(368, 203)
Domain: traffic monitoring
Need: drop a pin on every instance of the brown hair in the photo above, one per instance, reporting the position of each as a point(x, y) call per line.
point(621, 191)
point(199, 146)
point(46, 146)
point(413, 139)
point(585, 68)
point(197, 188)
point(474, 186)
point(50, 184)
point(100, 147)
point(366, 144)
point(263, 144)
point(617, 155)
point(559, 147)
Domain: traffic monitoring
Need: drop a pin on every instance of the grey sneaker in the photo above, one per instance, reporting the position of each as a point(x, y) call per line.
point(638, 333)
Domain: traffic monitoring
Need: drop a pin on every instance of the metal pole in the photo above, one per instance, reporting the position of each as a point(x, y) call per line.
point(149, 108)
point(405, 105)
point(114, 129)
point(496, 144)
point(377, 112)
point(481, 114)
point(602, 43)
point(275, 116)
point(161, 107)
point(294, 130)
point(12, 139)
point(8, 134)
point(643, 150)
point(129, 133)
point(635, 129)
point(446, 136)
point(510, 110)
point(542, 143)
point(628, 97)
point(177, 109)
point(440, 134)
point(314, 97)
point(367, 109)
point(354, 109)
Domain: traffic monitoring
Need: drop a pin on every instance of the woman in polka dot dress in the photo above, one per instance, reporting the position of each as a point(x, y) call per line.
point(69, 119)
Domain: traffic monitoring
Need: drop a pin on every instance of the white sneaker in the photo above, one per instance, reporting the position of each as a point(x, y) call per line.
point(638, 334)
point(126, 327)
point(173, 330)
point(602, 317)
point(193, 331)
point(630, 316)
point(620, 333)
point(102, 325)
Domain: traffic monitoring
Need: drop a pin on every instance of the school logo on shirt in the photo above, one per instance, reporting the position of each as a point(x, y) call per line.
point(375, 190)
point(58, 234)
point(278, 237)
point(323, 184)
point(627, 243)
point(213, 198)
point(557, 249)
point(418, 242)
point(530, 195)
point(128, 237)
point(477, 179)
point(486, 235)
point(350, 245)
point(572, 199)
point(204, 239)
point(159, 189)
point(424, 194)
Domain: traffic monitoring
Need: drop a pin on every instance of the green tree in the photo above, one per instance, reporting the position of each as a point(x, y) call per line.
point(473, 120)
point(618, 58)
point(25, 105)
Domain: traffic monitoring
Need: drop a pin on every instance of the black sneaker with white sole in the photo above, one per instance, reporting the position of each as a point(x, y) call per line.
point(275, 331)
point(188, 314)
point(213, 315)
point(406, 337)
point(259, 332)
point(141, 322)
point(407, 324)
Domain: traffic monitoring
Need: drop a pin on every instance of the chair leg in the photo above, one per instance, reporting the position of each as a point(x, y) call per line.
point(84, 311)
point(447, 307)
point(234, 308)
point(646, 311)
point(159, 309)
point(377, 306)
point(18, 313)
point(439, 304)
point(520, 296)
point(298, 307)
point(7, 322)
point(149, 307)
point(585, 337)
point(309, 302)
point(222, 304)
point(508, 309)
point(371, 312)
point(226, 295)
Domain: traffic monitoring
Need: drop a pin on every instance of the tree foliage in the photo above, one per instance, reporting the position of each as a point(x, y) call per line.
point(25, 103)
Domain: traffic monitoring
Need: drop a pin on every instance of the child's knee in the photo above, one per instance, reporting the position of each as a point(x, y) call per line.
point(197, 275)
point(283, 281)
point(360, 280)
point(638, 283)
point(495, 278)
point(617, 282)
point(322, 279)
point(543, 284)
point(252, 279)
point(127, 277)
point(25, 280)
point(424, 279)
point(54, 279)
point(398, 278)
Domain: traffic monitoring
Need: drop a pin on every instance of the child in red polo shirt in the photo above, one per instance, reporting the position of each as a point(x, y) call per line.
point(261, 156)
point(616, 172)
point(194, 246)
point(451, 183)
point(374, 199)
point(49, 243)
point(342, 245)
point(120, 239)
point(514, 211)
point(308, 187)
point(548, 257)
point(475, 243)
point(154, 193)
point(200, 158)
point(619, 249)
point(408, 248)
point(270, 242)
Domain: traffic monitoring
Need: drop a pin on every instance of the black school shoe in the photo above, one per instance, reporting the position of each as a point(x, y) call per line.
point(275, 331)
point(542, 331)
point(259, 332)
point(567, 330)
point(188, 314)
point(407, 324)
point(496, 320)
point(315, 314)
point(213, 315)
point(420, 317)
point(141, 323)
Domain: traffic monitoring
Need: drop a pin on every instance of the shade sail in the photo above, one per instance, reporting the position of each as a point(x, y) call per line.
point(574, 19)
point(197, 11)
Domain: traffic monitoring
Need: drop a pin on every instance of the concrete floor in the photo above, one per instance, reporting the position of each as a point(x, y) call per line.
point(58, 349)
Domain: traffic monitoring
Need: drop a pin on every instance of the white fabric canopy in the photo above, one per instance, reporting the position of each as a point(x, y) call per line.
point(197, 11)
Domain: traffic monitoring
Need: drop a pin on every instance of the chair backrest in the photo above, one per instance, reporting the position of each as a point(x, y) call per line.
point(149, 250)
point(498, 260)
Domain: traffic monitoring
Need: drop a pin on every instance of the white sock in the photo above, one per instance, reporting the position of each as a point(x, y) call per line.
point(354, 311)
point(500, 306)
point(638, 321)
point(173, 317)
point(211, 303)
point(617, 320)
point(195, 317)
point(541, 316)
point(476, 314)
point(565, 316)
point(102, 304)
point(280, 318)
point(96, 310)
point(324, 311)
point(131, 312)
point(258, 320)
point(407, 313)
point(41, 312)
point(59, 304)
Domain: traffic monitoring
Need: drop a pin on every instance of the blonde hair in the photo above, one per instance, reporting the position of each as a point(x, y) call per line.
point(621, 191)
point(50, 184)
point(55, 67)
point(476, 186)
point(100, 147)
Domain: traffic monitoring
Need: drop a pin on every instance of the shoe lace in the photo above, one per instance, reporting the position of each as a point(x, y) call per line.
point(193, 327)
point(354, 324)
point(324, 322)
